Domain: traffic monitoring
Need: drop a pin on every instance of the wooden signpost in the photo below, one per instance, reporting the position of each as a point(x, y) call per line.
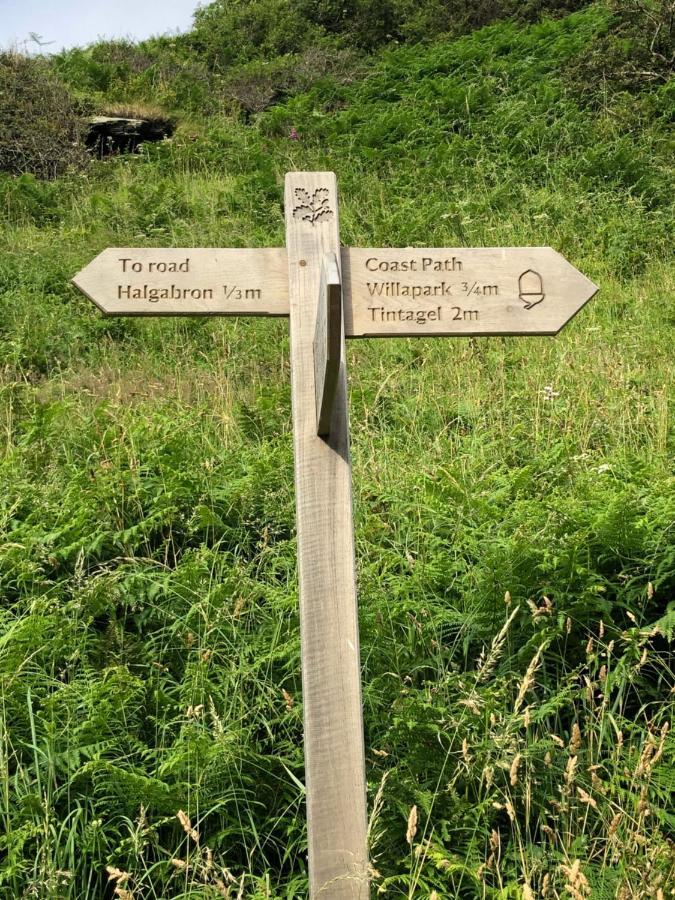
point(330, 293)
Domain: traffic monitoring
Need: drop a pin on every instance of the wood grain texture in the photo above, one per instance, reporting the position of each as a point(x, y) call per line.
point(199, 281)
point(416, 292)
point(328, 342)
point(387, 292)
point(331, 670)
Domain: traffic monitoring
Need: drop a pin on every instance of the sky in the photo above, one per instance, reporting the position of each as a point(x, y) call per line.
point(72, 23)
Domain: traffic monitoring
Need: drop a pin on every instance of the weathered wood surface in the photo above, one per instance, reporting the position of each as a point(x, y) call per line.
point(412, 292)
point(415, 292)
point(331, 669)
point(187, 282)
point(328, 342)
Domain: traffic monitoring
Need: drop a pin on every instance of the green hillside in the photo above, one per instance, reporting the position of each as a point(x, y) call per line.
point(514, 497)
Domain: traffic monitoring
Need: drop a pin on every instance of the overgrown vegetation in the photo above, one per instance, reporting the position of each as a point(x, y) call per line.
point(41, 131)
point(515, 502)
point(638, 49)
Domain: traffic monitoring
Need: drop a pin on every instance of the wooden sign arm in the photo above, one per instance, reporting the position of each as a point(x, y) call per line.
point(328, 342)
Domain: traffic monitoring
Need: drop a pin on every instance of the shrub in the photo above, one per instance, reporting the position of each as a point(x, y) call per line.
point(40, 129)
point(227, 33)
point(423, 21)
point(638, 48)
point(258, 85)
point(231, 33)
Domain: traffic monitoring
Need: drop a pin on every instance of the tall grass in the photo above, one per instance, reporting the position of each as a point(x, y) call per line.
point(514, 507)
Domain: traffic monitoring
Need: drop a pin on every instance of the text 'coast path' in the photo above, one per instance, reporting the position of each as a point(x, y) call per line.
point(390, 292)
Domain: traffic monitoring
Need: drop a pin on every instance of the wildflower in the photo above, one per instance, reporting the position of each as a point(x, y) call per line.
point(293, 134)
point(549, 393)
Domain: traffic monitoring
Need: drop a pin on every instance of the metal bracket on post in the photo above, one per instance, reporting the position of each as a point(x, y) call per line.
point(327, 342)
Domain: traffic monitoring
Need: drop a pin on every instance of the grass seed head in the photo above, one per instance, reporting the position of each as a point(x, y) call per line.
point(412, 825)
point(513, 772)
point(586, 798)
point(570, 770)
point(117, 875)
point(191, 832)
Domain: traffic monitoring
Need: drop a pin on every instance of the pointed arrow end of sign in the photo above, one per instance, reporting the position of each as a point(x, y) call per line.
point(584, 289)
point(83, 281)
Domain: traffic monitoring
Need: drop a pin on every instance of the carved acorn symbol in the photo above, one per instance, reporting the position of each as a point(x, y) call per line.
point(531, 288)
point(314, 207)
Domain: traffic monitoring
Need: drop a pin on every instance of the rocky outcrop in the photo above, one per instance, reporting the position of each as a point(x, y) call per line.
point(107, 135)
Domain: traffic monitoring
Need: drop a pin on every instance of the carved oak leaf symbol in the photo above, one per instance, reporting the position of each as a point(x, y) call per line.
point(312, 208)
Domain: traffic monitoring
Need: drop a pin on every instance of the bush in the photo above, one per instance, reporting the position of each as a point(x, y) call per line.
point(423, 21)
point(259, 84)
point(228, 34)
point(638, 48)
point(232, 33)
point(41, 132)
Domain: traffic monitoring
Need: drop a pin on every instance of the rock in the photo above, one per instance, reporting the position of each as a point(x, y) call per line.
point(107, 135)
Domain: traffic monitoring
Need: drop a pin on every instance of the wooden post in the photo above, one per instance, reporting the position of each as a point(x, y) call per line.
point(385, 292)
point(331, 668)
